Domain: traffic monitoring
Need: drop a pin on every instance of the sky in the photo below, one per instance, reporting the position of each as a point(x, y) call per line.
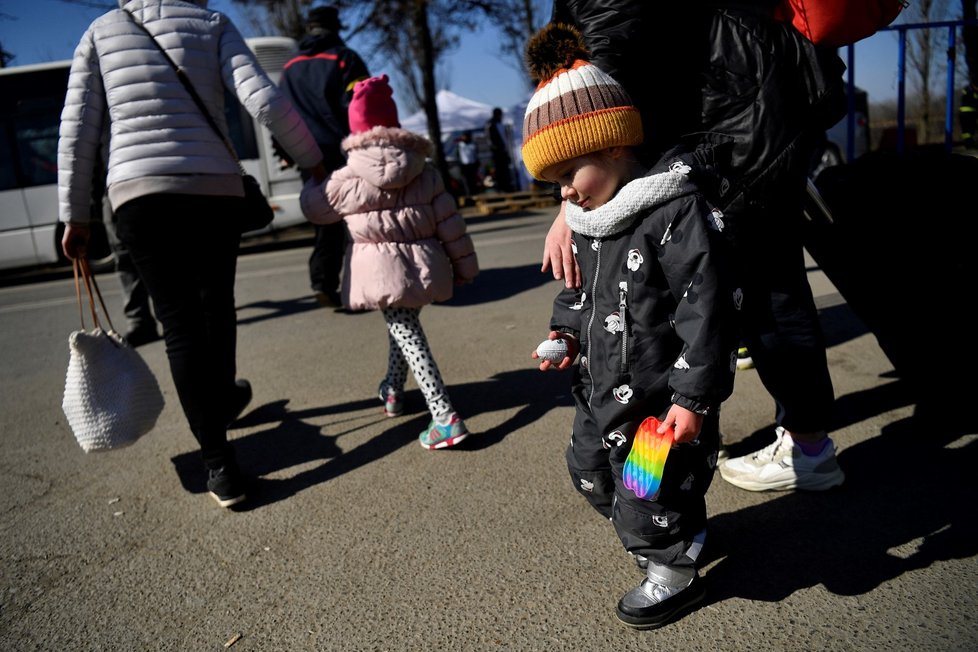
point(47, 30)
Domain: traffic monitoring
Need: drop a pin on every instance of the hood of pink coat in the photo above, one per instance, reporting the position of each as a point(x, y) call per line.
point(386, 157)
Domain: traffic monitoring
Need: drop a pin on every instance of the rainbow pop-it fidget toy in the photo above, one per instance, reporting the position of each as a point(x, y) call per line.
point(647, 459)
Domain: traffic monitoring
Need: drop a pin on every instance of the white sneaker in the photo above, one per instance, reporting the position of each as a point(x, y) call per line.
point(782, 466)
point(722, 455)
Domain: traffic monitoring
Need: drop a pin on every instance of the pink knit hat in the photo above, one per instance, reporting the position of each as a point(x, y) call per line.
point(372, 105)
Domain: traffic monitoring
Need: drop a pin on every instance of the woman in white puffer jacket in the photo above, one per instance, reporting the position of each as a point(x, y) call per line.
point(174, 187)
point(408, 245)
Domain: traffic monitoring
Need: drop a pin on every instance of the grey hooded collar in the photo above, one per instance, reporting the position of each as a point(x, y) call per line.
point(631, 201)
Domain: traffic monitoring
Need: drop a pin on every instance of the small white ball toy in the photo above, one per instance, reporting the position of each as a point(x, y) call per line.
point(552, 350)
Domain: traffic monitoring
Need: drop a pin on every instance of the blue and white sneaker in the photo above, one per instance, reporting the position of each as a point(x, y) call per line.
point(393, 400)
point(437, 436)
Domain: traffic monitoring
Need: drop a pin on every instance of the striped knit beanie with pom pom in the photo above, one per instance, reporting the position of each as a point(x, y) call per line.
point(577, 108)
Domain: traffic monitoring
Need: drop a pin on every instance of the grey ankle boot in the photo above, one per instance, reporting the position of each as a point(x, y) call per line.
point(664, 593)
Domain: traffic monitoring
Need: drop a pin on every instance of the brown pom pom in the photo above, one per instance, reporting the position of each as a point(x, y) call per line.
point(556, 46)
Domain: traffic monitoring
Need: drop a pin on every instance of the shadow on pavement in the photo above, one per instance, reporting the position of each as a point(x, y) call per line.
point(532, 391)
point(276, 309)
point(290, 441)
point(839, 325)
point(899, 510)
point(499, 283)
point(491, 285)
point(848, 410)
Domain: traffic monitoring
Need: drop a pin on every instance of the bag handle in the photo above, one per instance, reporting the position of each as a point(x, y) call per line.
point(83, 270)
point(185, 80)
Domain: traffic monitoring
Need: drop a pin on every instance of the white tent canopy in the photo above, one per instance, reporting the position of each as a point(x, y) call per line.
point(455, 113)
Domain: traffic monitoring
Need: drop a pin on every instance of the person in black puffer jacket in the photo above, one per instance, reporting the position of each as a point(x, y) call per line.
point(731, 73)
point(655, 322)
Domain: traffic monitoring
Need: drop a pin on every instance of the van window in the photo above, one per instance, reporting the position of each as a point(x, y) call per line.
point(30, 111)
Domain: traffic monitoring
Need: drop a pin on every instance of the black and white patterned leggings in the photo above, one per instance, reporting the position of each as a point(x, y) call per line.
point(409, 347)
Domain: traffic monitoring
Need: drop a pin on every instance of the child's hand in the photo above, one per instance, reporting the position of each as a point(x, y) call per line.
point(685, 424)
point(573, 348)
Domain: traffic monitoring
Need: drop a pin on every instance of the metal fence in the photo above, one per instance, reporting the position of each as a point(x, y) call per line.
point(952, 30)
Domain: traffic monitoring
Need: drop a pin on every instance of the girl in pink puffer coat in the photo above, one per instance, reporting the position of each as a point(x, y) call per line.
point(408, 245)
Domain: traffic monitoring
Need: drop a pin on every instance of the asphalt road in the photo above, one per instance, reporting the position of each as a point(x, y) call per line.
point(359, 539)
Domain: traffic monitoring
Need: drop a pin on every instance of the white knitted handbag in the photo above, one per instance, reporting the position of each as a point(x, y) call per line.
point(111, 396)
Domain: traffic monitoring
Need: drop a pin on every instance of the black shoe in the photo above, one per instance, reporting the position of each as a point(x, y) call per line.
point(329, 299)
point(142, 335)
point(240, 398)
point(641, 607)
point(226, 485)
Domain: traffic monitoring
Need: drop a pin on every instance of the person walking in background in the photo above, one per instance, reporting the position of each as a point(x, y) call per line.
point(499, 146)
point(408, 245)
point(175, 189)
point(656, 329)
point(770, 93)
point(141, 325)
point(468, 161)
point(320, 81)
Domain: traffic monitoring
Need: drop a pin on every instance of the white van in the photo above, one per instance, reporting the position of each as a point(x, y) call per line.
point(31, 99)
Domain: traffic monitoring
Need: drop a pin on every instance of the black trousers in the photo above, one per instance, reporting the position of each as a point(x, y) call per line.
point(185, 248)
point(781, 326)
point(326, 259)
point(662, 530)
point(503, 172)
point(780, 321)
point(329, 245)
point(135, 297)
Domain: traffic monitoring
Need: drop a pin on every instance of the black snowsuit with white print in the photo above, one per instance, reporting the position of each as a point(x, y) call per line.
point(657, 325)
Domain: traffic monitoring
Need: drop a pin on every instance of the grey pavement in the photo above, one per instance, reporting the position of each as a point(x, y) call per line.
point(359, 539)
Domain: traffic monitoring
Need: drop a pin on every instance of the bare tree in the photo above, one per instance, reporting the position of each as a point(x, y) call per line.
point(6, 57)
point(923, 45)
point(969, 36)
point(518, 20)
point(413, 35)
point(278, 17)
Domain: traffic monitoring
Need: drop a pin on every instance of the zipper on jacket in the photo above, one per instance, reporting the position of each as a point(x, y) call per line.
point(667, 236)
point(623, 323)
point(590, 322)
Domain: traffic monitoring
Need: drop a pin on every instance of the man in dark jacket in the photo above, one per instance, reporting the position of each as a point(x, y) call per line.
point(320, 84)
point(762, 87)
point(499, 144)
